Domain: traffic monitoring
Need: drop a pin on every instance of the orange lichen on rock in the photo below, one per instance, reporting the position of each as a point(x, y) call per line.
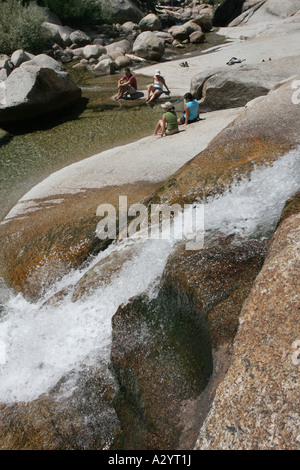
point(41, 246)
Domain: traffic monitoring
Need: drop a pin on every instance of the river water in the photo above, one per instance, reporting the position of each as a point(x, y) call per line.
point(43, 146)
point(95, 124)
point(42, 343)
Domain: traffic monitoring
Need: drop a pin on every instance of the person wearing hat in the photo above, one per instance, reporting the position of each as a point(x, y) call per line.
point(156, 89)
point(168, 124)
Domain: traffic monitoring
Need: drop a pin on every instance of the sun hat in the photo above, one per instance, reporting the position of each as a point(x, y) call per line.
point(167, 105)
point(157, 72)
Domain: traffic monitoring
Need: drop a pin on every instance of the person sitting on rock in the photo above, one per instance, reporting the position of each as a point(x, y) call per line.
point(157, 88)
point(126, 84)
point(168, 123)
point(191, 110)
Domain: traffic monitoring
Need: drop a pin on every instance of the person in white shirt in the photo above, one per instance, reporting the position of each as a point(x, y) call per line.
point(157, 88)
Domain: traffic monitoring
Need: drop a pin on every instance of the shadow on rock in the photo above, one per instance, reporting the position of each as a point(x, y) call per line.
point(48, 120)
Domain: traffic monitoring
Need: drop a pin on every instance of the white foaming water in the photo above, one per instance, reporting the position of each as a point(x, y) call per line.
point(41, 344)
point(255, 204)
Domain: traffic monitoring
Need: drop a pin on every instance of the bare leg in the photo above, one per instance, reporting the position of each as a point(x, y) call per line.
point(149, 90)
point(155, 95)
point(121, 91)
point(159, 127)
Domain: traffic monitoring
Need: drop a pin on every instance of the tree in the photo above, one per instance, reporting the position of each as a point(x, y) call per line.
point(21, 27)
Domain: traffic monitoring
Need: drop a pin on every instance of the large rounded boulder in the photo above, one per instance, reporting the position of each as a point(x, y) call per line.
point(122, 10)
point(182, 32)
point(148, 46)
point(36, 87)
point(150, 22)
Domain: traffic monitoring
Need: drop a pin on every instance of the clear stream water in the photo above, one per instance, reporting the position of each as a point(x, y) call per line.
point(40, 344)
point(41, 147)
point(97, 123)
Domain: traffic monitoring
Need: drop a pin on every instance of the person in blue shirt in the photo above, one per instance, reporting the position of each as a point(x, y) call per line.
point(191, 110)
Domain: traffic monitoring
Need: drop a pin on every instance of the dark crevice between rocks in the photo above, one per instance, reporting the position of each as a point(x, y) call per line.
point(292, 207)
point(170, 353)
point(161, 355)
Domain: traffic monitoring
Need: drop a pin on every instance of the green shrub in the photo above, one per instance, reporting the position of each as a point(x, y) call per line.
point(21, 28)
point(74, 12)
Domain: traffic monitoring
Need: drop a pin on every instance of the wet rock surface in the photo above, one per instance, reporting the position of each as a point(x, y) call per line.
point(215, 277)
point(254, 405)
point(102, 272)
point(160, 356)
point(164, 350)
point(64, 237)
point(82, 418)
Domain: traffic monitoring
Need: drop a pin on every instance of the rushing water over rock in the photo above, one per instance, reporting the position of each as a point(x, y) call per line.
point(42, 343)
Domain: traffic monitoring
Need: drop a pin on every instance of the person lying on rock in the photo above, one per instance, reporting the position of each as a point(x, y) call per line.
point(168, 123)
point(157, 88)
point(126, 84)
point(191, 110)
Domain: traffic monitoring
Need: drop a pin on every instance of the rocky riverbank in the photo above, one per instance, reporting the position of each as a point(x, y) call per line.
point(203, 351)
point(104, 49)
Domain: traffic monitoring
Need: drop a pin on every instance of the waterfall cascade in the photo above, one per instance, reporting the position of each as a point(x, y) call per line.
point(42, 342)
